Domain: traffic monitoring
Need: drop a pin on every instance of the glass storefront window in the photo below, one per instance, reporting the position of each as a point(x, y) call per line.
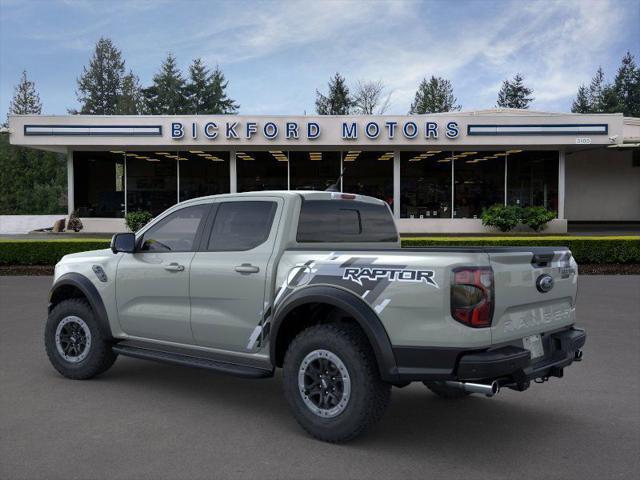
point(313, 170)
point(99, 184)
point(478, 182)
point(425, 184)
point(369, 173)
point(203, 173)
point(262, 171)
point(152, 181)
point(532, 178)
point(425, 178)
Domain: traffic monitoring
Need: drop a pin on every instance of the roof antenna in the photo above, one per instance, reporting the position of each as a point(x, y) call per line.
point(336, 186)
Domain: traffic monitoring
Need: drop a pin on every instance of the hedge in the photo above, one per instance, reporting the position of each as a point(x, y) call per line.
point(593, 250)
point(45, 252)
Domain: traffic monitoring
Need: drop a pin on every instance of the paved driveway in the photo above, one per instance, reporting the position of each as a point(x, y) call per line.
point(147, 420)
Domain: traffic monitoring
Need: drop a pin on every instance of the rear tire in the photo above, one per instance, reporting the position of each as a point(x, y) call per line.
point(75, 345)
point(440, 389)
point(332, 384)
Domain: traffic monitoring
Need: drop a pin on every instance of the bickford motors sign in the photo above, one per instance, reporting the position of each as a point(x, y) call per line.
point(310, 130)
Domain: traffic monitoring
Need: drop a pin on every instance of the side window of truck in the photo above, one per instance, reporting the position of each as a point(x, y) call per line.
point(176, 232)
point(240, 226)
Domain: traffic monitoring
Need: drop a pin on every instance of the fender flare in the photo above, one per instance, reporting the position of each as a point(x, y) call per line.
point(92, 295)
point(353, 305)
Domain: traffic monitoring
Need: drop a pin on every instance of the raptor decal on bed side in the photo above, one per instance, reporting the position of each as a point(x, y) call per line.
point(359, 274)
point(392, 274)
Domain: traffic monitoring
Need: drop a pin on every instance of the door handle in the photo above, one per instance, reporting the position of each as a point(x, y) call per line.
point(246, 268)
point(174, 267)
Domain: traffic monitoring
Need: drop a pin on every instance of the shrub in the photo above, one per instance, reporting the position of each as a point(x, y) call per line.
point(503, 217)
point(507, 217)
point(74, 222)
point(136, 220)
point(537, 217)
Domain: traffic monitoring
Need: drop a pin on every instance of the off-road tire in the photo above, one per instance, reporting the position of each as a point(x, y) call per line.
point(440, 389)
point(100, 356)
point(369, 395)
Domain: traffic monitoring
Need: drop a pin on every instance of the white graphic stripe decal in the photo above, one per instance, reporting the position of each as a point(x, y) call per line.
point(382, 305)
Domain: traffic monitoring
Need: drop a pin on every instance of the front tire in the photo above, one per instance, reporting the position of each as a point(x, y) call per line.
point(75, 345)
point(332, 384)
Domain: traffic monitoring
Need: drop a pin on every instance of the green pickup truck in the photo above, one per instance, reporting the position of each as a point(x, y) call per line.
point(316, 283)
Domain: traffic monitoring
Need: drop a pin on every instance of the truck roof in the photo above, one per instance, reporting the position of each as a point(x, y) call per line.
point(306, 194)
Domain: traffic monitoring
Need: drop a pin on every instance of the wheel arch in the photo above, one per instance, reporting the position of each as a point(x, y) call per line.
point(347, 302)
point(75, 285)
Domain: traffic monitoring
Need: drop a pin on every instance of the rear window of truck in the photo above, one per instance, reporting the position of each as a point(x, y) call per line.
point(345, 221)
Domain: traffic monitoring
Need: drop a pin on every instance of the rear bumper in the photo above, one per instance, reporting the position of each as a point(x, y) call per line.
point(509, 364)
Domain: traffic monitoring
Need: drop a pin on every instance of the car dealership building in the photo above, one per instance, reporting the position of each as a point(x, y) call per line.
point(437, 172)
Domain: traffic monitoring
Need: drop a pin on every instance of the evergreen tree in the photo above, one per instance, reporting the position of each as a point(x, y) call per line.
point(100, 85)
point(219, 102)
point(338, 101)
point(167, 95)
point(514, 94)
point(25, 99)
point(627, 86)
point(206, 91)
point(196, 89)
point(433, 96)
point(610, 101)
point(596, 91)
point(31, 181)
point(130, 101)
point(581, 104)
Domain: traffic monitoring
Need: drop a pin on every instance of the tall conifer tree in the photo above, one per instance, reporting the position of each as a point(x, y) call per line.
point(338, 101)
point(25, 99)
point(433, 96)
point(100, 85)
point(167, 94)
point(514, 93)
point(627, 86)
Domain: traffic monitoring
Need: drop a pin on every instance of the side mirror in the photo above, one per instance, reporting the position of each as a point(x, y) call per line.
point(123, 242)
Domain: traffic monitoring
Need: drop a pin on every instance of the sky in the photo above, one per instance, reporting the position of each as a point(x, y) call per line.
point(275, 54)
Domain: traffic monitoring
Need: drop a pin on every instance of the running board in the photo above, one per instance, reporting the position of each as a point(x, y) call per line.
point(192, 361)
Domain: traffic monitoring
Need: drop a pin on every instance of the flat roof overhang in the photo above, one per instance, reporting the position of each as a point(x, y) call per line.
point(379, 132)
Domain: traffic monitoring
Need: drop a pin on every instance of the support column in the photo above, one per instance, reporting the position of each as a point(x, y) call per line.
point(561, 178)
point(453, 185)
point(233, 176)
point(396, 183)
point(125, 186)
point(506, 168)
point(70, 183)
point(341, 168)
point(177, 181)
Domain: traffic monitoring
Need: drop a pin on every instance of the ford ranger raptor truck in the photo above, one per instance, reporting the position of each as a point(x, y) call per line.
point(316, 283)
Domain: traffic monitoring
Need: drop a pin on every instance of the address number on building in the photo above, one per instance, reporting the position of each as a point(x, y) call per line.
point(583, 141)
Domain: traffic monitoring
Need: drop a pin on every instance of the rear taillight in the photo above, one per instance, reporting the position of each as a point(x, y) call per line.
point(472, 296)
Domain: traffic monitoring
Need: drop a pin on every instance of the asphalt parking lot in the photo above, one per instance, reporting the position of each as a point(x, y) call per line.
point(146, 420)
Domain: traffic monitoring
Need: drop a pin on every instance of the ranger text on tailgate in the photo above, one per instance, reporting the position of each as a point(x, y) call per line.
point(316, 283)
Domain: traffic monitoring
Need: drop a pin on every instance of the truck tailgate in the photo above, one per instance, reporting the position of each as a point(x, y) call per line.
point(527, 302)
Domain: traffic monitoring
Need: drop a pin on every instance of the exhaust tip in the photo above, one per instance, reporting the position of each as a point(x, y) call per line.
point(485, 389)
point(495, 388)
point(578, 356)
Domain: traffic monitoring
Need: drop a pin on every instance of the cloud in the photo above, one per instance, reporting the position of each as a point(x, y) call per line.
point(277, 53)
